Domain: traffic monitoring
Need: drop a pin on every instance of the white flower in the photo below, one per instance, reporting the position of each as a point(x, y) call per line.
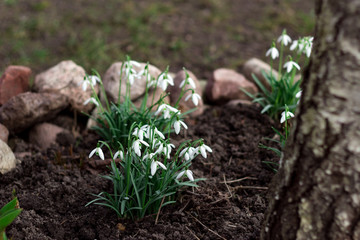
point(294, 45)
point(189, 174)
point(189, 153)
point(120, 154)
point(273, 52)
point(166, 109)
point(154, 165)
point(150, 156)
point(98, 151)
point(151, 131)
point(194, 97)
point(203, 148)
point(177, 125)
point(298, 95)
point(189, 81)
point(290, 65)
point(93, 100)
point(137, 148)
point(164, 80)
point(285, 39)
point(92, 79)
point(167, 149)
point(288, 116)
point(139, 132)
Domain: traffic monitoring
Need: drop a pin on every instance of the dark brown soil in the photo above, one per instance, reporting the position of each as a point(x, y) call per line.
point(53, 187)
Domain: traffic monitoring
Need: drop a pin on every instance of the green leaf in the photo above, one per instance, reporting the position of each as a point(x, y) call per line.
point(8, 217)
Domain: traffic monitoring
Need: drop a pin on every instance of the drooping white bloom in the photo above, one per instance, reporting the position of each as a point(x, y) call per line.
point(177, 125)
point(150, 133)
point(166, 109)
point(298, 95)
point(154, 165)
point(189, 153)
point(284, 39)
point(136, 146)
point(140, 132)
point(194, 97)
point(98, 151)
point(92, 79)
point(188, 173)
point(189, 81)
point(164, 80)
point(203, 148)
point(93, 100)
point(130, 71)
point(285, 116)
point(119, 154)
point(294, 45)
point(167, 149)
point(149, 156)
point(273, 52)
point(290, 65)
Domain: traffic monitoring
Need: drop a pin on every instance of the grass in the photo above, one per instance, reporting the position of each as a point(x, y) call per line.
point(201, 35)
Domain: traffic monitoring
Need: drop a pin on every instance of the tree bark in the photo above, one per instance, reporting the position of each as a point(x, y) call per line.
point(316, 193)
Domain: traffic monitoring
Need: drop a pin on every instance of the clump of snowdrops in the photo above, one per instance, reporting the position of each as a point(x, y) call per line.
point(285, 87)
point(149, 171)
point(285, 92)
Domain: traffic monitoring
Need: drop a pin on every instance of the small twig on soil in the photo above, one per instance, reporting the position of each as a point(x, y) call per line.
point(230, 161)
point(227, 187)
point(251, 187)
point(182, 209)
point(239, 180)
point(157, 215)
point(192, 233)
point(206, 226)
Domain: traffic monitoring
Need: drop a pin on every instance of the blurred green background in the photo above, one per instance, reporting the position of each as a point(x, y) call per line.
point(201, 35)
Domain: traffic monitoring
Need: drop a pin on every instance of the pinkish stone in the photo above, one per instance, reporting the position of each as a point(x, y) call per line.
point(226, 85)
point(14, 81)
point(44, 135)
point(4, 133)
point(176, 90)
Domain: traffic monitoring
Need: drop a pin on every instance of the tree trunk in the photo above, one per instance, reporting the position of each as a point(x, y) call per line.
point(316, 194)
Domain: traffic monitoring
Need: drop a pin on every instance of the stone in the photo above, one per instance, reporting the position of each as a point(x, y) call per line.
point(226, 85)
point(256, 66)
point(14, 81)
point(66, 78)
point(111, 81)
point(175, 92)
point(153, 93)
point(239, 101)
point(27, 109)
point(45, 134)
point(7, 158)
point(4, 133)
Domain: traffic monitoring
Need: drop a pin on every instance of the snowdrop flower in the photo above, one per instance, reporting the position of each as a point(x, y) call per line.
point(149, 156)
point(150, 133)
point(167, 149)
point(93, 100)
point(273, 52)
point(189, 153)
point(92, 79)
point(137, 148)
point(284, 38)
point(97, 151)
point(189, 81)
point(203, 148)
point(164, 80)
point(188, 173)
point(130, 72)
point(119, 154)
point(140, 132)
point(194, 97)
point(154, 165)
point(285, 116)
point(294, 45)
point(290, 65)
point(177, 125)
point(298, 95)
point(166, 109)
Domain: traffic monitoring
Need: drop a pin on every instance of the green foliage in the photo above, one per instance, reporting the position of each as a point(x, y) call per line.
point(283, 92)
point(7, 215)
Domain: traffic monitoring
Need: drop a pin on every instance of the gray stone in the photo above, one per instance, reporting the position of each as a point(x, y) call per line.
point(7, 158)
point(256, 66)
point(44, 135)
point(66, 78)
point(27, 109)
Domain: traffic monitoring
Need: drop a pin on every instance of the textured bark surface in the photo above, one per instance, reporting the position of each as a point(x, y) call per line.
point(317, 190)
